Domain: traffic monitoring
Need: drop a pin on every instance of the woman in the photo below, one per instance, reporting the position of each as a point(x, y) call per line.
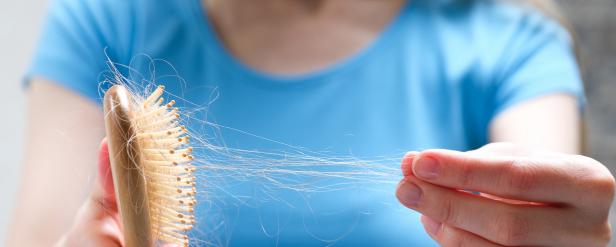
point(368, 77)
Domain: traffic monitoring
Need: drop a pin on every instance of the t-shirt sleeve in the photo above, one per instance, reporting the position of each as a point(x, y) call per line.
point(77, 40)
point(537, 59)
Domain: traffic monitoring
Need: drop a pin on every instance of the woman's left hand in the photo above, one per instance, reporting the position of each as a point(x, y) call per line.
point(521, 197)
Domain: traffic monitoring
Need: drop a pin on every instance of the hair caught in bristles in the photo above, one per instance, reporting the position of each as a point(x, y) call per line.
point(166, 163)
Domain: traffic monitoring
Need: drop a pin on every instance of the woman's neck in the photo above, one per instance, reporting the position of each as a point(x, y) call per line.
point(298, 36)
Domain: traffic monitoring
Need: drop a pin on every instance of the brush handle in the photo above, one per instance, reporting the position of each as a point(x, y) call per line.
point(128, 179)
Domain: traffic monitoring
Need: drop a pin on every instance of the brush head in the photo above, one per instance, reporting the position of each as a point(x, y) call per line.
point(151, 166)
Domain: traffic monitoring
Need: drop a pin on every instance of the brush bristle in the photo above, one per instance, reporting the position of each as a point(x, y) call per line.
point(167, 167)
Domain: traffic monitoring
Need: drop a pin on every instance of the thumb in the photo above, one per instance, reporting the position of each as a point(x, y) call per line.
point(106, 212)
point(407, 163)
point(97, 223)
point(104, 190)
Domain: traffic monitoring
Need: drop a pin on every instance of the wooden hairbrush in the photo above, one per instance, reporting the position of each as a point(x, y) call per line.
point(151, 166)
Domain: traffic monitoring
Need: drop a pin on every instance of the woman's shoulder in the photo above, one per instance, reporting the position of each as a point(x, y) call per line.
point(113, 14)
point(80, 37)
point(491, 17)
point(488, 33)
point(114, 26)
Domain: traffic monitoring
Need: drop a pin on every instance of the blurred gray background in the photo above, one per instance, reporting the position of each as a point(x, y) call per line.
point(595, 24)
point(20, 21)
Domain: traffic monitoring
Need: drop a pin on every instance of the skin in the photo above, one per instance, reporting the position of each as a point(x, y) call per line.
point(534, 190)
point(527, 197)
point(98, 221)
point(59, 165)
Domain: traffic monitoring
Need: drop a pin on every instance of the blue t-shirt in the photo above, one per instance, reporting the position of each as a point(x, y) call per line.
point(434, 78)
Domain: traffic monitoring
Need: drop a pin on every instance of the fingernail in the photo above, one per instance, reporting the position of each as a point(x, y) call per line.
point(409, 194)
point(432, 226)
point(427, 168)
point(407, 163)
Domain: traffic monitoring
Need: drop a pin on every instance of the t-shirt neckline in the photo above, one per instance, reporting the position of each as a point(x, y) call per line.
point(207, 33)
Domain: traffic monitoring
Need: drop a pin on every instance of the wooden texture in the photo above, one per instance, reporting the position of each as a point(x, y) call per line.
point(128, 179)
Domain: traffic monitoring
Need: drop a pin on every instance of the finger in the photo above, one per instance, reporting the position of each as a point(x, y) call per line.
point(104, 187)
point(407, 163)
point(105, 232)
point(97, 222)
point(498, 222)
point(102, 207)
point(94, 226)
point(446, 235)
point(103, 204)
point(504, 148)
point(547, 180)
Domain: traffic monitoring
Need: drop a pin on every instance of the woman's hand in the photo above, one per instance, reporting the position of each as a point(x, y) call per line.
point(523, 197)
point(98, 222)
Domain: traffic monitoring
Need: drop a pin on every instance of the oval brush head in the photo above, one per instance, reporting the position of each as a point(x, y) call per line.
point(150, 162)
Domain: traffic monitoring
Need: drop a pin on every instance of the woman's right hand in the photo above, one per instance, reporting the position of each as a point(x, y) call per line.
point(98, 222)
